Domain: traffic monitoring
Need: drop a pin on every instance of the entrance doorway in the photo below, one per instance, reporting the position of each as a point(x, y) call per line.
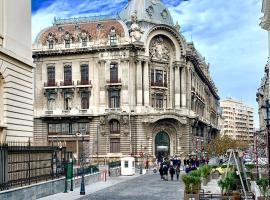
point(162, 145)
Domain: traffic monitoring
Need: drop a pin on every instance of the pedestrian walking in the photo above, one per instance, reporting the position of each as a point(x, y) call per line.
point(165, 172)
point(177, 171)
point(172, 172)
point(161, 172)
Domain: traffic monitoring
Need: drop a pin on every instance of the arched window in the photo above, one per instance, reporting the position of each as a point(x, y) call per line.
point(114, 127)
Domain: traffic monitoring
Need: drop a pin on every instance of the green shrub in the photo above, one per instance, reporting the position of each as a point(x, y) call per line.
point(263, 186)
point(250, 167)
point(195, 173)
point(205, 170)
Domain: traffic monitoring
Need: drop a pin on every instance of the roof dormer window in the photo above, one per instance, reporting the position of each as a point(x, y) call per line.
point(113, 37)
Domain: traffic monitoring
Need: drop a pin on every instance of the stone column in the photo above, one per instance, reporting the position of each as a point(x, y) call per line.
point(125, 82)
point(131, 85)
point(102, 84)
point(139, 83)
point(177, 85)
point(146, 84)
point(183, 87)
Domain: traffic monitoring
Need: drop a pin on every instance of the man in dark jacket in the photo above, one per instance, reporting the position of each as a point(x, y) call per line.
point(165, 172)
point(161, 171)
point(172, 172)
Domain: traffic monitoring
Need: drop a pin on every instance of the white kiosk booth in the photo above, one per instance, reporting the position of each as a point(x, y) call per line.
point(127, 166)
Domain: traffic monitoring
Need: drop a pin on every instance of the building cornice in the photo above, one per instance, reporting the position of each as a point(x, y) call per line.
point(202, 75)
point(73, 51)
point(265, 20)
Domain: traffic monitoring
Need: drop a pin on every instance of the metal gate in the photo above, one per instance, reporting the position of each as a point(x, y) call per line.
point(24, 163)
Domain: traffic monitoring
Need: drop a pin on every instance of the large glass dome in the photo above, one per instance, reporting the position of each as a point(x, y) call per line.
point(152, 11)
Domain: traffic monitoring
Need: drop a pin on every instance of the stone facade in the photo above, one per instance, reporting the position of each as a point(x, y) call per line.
point(123, 84)
point(16, 71)
point(263, 91)
point(238, 120)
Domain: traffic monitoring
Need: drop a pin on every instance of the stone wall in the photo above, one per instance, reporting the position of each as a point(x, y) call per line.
point(46, 188)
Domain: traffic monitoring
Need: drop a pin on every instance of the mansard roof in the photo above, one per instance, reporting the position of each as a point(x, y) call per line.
point(95, 28)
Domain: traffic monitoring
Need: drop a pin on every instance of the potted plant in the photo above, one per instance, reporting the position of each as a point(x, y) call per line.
point(205, 171)
point(187, 181)
point(192, 183)
point(263, 187)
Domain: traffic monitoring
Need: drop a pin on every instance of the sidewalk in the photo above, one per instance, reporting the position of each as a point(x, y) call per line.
point(89, 189)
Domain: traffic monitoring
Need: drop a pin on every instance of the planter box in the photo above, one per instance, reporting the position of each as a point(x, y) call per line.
point(191, 196)
point(261, 198)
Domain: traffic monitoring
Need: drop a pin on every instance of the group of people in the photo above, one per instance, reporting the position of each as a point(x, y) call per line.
point(169, 167)
point(193, 163)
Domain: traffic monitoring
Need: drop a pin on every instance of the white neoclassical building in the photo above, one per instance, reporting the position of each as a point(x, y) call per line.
point(129, 83)
point(16, 71)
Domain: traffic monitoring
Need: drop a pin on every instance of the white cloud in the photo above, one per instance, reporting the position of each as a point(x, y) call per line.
point(228, 34)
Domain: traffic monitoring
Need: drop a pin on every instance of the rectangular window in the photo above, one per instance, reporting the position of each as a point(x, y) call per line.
point(67, 75)
point(85, 100)
point(65, 128)
point(159, 101)
point(115, 145)
point(152, 77)
point(113, 73)
point(113, 40)
point(67, 101)
point(51, 75)
point(126, 164)
point(84, 74)
point(50, 44)
point(84, 42)
point(114, 99)
point(159, 78)
point(67, 43)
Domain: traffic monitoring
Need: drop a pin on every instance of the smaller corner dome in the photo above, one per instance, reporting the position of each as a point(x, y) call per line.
point(152, 11)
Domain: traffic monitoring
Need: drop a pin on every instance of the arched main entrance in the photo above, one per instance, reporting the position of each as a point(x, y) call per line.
point(162, 145)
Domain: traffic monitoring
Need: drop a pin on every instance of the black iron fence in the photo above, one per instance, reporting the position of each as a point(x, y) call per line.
point(23, 163)
point(86, 170)
point(114, 164)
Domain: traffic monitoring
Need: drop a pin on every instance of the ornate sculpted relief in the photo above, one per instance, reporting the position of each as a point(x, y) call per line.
point(159, 51)
point(150, 11)
point(84, 35)
point(164, 14)
point(102, 125)
point(67, 36)
point(125, 125)
point(51, 37)
point(135, 30)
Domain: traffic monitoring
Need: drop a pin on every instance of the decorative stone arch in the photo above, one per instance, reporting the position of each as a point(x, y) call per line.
point(170, 129)
point(177, 40)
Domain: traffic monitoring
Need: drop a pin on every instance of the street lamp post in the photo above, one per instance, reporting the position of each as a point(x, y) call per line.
point(82, 191)
point(141, 154)
point(267, 119)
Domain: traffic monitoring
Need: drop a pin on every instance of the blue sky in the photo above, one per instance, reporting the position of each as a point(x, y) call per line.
point(226, 32)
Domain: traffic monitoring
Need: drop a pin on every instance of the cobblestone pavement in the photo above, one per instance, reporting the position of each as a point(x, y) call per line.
point(147, 187)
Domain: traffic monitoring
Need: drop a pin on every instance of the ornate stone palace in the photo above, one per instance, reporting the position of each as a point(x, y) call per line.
point(126, 84)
